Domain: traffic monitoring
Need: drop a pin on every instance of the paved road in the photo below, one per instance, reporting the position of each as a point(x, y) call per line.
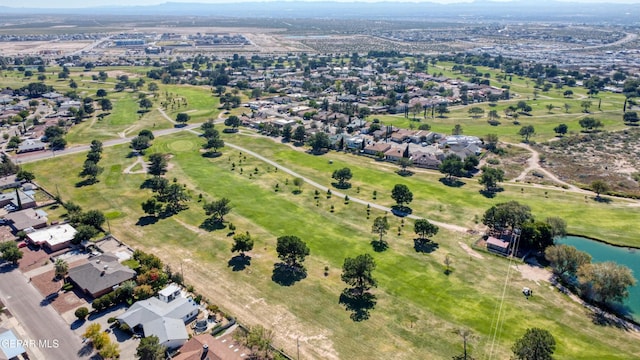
point(40, 322)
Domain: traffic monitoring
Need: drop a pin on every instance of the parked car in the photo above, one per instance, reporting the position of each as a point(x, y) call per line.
point(22, 244)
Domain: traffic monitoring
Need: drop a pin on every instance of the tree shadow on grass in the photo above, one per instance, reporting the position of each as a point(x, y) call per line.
point(601, 318)
point(239, 262)
point(405, 173)
point(212, 225)
point(86, 182)
point(451, 182)
point(379, 245)
point(401, 210)
point(491, 193)
point(286, 275)
point(360, 305)
point(211, 154)
point(147, 220)
point(343, 186)
point(425, 246)
point(601, 199)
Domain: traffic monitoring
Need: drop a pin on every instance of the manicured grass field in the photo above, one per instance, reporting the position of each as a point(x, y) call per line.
point(418, 305)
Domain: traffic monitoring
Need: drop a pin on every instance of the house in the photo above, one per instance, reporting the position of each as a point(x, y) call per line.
point(26, 219)
point(100, 275)
point(53, 238)
point(16, 199)
point(425, 159)
point(164, 316)
point(10, 181)
point(205, 346)
point(31, 145)
point(376, 148)
point(394, 154)
point(498, 245)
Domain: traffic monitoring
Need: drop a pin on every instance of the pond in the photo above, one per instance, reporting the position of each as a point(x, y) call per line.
point(601, 252)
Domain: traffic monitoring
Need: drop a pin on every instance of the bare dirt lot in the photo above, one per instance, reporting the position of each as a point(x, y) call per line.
point(613, 157)
point(33, 47)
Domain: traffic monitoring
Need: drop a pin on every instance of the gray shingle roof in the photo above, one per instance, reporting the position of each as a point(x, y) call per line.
point(100, 273)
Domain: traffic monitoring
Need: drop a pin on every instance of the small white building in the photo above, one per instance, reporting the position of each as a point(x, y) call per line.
point(53, 238)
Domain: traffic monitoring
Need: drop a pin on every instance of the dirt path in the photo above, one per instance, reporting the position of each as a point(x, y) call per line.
point(139, 160)
point(470, 251)
point(534, 164)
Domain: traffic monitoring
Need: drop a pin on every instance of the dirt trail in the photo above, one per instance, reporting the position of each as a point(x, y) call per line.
point(534, 164)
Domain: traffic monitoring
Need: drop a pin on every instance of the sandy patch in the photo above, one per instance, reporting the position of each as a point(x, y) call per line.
point(470, 251)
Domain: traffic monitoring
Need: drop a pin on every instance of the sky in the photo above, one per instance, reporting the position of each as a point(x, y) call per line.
point(94, 3)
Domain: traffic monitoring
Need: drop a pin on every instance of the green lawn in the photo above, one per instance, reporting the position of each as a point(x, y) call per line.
point(418, 306)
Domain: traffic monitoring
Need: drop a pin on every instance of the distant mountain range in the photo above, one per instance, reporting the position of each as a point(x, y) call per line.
point(544, 10)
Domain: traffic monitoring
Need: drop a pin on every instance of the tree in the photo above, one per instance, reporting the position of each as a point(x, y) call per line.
point(150, 349)
point(565, 260)
point(91, 170)
point(319, 141)
point(457, 130)
point(558, 226)
point(561, 129)
point(287, 131)
point(451, 166)
point(146, 104)
point(380, 226)
point(218, 209)
point(297, 182)
point(536, 235)
point(110, 350)
point(490, 177)
point(81, 313)
point(151, 207)
point(140, 143)
point(61, 268)
point(213, 144)
point(93, 218)
point(157, 164)
point(476, 112)
point(10, 252)
point(92, 331)
point(630, 117)
point(343, 176)
point(507, 215)
point(401, 194)
point(153, 87)
point(599, 187)
point(299, 134)
point(105, 104)
point(24, 175)
point(96, 146)
point(491, 142)
point(549, 108)
point(357, 273)
point(174, 196)
point(424, 228)
point(83, 233)
point(57, 143)
point(535, 344)
point(292, 251)
point(589, 123)
point(470, 163)
point(442, 109)
point(526, 132)
point(605, 282)
point(586, 104)
point(404, 163)
point(242, 243)
point(182, 118)
point(232, 121)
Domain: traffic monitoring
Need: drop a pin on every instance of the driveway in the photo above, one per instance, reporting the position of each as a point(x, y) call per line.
point(53, 337)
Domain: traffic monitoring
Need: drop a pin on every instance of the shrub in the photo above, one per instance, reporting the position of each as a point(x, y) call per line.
point(81, 313)
point(111, 320)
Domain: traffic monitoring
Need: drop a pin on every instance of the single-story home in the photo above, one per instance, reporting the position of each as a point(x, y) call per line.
point(100, 275)
point(498, 245)
point(25, 219)
point(10, 181)
point(376, 148)
point(164, 316)
point(17, 199)
point(205, 346)
point(53, 238)
point(31, 145)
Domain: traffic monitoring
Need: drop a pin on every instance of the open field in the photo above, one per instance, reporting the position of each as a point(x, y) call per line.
point(417, 303)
